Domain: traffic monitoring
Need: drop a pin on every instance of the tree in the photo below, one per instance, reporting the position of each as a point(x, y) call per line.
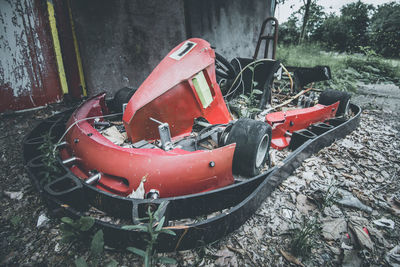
point(332, 33)
point(305, 19)
point(385, 30)
point(290, 31)
point(355, 18)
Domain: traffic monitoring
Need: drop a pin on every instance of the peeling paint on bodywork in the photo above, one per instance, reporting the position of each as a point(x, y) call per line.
point(28, 77)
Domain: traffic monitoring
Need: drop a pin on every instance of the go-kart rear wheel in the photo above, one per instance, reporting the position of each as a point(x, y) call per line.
point(122, 96)
point(252, 139)
point(328, 97)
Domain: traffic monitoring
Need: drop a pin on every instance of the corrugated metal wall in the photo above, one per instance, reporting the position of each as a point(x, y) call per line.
point(28, 71)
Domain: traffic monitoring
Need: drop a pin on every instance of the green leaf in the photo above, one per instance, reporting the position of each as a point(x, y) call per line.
point(137, 251)
point(159, 209)
point(245, 97)
point(166, 260)
point(112, 263)
point(251, 68)
point(15, 221)
point(135, 227)
point(160, 224)
point(67, 220)
point(97, 245)
point(252, 110)
point(80, 262)
point(255, 83)
point(167, 231)
point(257, 92)
point(86, 223)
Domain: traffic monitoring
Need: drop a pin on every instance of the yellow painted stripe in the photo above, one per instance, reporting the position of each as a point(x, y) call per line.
point(57, 48)
point(78, 55)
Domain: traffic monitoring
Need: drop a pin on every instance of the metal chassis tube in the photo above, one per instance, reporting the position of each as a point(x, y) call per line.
point(237, 202)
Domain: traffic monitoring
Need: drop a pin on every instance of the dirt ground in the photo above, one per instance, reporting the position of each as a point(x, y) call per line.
point(362, 169)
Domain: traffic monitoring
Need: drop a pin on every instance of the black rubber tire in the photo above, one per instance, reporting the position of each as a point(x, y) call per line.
point(328, 97)
point(121, 97)
point(248, 134)
point(227, 71)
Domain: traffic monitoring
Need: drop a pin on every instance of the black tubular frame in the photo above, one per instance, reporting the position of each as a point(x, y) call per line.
point(233, 204)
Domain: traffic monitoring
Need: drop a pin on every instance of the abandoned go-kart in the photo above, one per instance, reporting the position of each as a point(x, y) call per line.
point(176, 139)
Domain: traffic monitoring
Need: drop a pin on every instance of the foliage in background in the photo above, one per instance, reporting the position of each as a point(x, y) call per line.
point(153, 227)
point(346, 69)
point(358, 25)
point(385, 30)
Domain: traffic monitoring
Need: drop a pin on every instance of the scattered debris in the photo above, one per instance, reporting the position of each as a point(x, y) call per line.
point(139, 193)
point(351, 259)
point(14, 195)
point(393, 257)
point(290, 258)
point(347, 199)
point(383, 222)
point(364, 165)
point(333, 229)
point(226, 258)
point(114, 135)
point(42, 220)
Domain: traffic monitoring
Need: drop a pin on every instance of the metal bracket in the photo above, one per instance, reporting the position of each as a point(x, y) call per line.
point(165, 135)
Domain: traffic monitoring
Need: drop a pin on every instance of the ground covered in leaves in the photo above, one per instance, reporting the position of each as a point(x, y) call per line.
point(341, 207)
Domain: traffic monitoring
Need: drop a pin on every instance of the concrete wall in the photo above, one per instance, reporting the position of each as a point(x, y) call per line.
point(231, 26)
point(122, 41)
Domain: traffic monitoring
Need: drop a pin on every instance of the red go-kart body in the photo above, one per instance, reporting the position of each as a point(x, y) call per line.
point(285, 123)
point(168, 95)
point(181, 88)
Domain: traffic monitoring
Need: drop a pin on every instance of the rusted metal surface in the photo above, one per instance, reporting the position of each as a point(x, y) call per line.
point(28, 72)
point(273, 27)
point(70, 60)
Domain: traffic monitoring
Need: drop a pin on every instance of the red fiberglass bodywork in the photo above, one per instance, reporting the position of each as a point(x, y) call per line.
point(167, 95)
point(293, 120)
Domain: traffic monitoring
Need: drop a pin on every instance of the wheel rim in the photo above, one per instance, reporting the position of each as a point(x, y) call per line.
point(261, 151)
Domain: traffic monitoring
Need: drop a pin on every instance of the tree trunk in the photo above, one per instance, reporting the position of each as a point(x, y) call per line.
point(305, 20)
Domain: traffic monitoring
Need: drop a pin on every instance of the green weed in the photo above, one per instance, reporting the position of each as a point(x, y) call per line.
point(153, 227)
point(303, 239)
point(51, 168)
point(81, 230)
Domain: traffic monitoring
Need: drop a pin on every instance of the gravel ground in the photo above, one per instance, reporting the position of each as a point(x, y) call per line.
point(345, 197)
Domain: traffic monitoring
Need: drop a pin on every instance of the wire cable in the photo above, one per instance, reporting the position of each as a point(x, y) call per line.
point(78, 121)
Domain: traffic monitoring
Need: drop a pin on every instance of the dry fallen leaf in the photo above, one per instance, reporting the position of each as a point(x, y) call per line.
point(289, 257)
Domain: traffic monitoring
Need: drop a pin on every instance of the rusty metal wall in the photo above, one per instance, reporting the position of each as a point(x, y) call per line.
point(28, 71)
